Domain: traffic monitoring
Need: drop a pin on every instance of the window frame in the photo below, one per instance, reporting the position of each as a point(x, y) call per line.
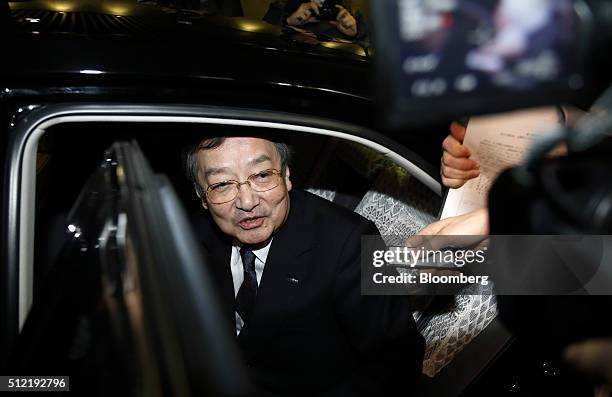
point(20, 168)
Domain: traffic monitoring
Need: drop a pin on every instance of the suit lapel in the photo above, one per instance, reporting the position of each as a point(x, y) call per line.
point(286, 265)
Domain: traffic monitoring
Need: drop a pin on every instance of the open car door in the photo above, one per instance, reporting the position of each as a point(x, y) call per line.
point(128, 307)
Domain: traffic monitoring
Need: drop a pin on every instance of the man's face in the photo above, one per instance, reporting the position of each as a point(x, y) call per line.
point(252, 217)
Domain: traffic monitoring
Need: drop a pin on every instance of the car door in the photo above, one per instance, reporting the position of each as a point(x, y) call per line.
point(129, 305)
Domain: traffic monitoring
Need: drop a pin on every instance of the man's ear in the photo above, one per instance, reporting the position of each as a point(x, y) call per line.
point(201, 197)
point(203, 201)
point(287, 179)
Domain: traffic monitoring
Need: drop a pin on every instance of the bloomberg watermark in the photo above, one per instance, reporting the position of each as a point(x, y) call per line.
point(506, 265)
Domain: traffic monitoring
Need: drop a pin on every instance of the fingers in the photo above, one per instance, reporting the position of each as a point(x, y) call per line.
point(299, 18)
point(433, 228)
point(454, 147)
point(429, 230)
point(347, 22)
point(456, 167)
point(342, 13)
point(458, 172)
point(459, 163)
point(474, 223)
point(446, 232)
point(454, 173)
point(309, 9)
point(314, 6)
point(458, 131)
point(306, 12)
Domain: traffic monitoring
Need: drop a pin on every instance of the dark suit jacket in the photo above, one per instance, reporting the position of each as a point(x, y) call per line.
point(320, 335)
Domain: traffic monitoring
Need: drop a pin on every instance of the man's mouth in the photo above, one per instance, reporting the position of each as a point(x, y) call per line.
point(251, 223)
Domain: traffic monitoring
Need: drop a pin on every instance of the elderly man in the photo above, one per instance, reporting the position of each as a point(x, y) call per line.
point(287, 265)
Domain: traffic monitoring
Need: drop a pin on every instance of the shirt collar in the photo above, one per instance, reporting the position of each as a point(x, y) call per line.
point(261, 253)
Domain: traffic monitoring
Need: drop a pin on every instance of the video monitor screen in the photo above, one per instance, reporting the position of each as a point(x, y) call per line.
point(463, 56)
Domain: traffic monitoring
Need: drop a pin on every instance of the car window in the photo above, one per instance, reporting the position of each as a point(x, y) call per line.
point(345, 172)
point(340, 162)
point(71, 137)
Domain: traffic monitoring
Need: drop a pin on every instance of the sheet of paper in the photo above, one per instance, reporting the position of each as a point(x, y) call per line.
point(498, 141)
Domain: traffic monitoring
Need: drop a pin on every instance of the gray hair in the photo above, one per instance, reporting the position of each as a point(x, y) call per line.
point(191, 159)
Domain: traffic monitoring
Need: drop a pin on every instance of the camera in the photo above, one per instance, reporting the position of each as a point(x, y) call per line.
point(328, 10)
point(448, 59)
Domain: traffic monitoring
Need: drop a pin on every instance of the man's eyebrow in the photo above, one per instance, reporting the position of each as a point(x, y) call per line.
point(216, 170)
point(226, 170)
point(261, 159)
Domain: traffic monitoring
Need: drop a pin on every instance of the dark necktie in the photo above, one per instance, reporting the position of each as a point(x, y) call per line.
point(245, 300)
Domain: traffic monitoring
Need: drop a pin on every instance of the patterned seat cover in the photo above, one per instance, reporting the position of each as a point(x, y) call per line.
point(400, 206)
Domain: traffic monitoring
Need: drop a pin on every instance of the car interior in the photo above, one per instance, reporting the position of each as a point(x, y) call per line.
point(456, 328)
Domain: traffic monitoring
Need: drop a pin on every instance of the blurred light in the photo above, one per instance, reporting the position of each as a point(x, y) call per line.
point(33, 20)
point(91, 71)
point(62, 6)
point(250, 26)
point(466, 82)
point(71, 228)
point(117, 9)
point(255, 26)
point(35, 32)
point(421, 64)
point(331, 44)
point(348, 47)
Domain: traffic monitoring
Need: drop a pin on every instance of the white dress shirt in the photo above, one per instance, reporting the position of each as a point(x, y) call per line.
point(238, 272)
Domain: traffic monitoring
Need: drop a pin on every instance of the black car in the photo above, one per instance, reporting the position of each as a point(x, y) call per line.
point(101, 275)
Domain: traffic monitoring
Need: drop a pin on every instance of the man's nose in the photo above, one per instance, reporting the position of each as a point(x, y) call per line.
point(247, 198)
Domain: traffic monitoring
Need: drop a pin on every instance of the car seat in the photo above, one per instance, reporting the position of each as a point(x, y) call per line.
point(400, 206)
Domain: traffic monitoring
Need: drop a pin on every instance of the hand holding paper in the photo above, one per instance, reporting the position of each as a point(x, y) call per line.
point(456, 165)
point(496, 142)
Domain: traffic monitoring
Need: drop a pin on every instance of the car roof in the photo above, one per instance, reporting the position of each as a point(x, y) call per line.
point(126, 39)
point(75, 50)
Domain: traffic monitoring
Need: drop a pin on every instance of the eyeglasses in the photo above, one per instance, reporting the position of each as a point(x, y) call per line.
point(226, 191)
